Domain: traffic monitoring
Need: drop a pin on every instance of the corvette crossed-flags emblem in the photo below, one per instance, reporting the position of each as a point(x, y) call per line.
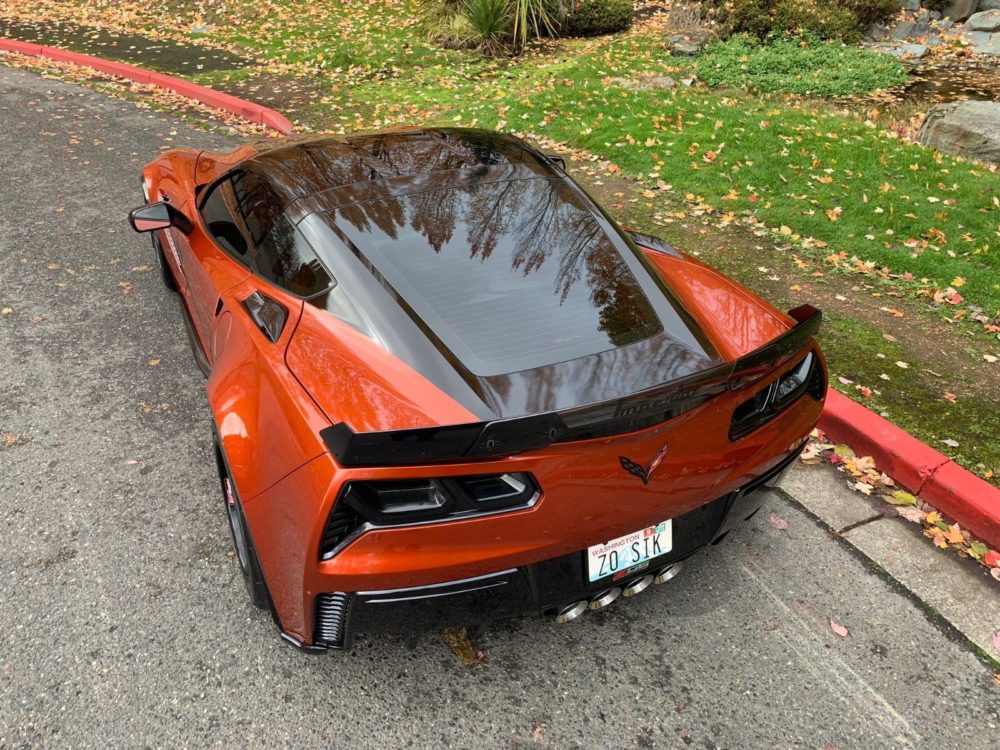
point(644, 473)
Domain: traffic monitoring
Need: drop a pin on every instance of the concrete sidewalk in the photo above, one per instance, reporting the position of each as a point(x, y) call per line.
point(123, 622)
point(958, 591)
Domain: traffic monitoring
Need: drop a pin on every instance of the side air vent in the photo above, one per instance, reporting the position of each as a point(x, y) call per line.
point(332, 611)
point(343, 521)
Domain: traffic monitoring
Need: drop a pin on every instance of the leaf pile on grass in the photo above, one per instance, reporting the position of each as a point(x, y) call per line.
point(864, 477)
point(798, 66)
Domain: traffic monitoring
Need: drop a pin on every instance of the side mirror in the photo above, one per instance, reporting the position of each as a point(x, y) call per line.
point(557, 160)
point(154, 216)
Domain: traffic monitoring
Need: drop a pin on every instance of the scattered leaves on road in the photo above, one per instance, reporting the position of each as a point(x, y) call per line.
point(777, 522)
point(839, 629)
point(901, 497)
point(457, 639)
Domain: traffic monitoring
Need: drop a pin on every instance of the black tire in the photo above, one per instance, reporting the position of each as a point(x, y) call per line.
point(161, 263)
point(246, 553)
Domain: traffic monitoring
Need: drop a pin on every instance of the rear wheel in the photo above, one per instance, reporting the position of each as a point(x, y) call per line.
point(246, 555)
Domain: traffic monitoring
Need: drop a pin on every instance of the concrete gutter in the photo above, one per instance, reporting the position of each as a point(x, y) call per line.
point(959, 591)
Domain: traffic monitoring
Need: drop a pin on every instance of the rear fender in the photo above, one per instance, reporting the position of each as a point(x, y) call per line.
point(267, 425)
point(735, 319)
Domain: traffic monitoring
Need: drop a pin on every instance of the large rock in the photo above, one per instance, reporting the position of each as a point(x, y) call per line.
point(903, 29)
point(685, 44)
point(987, 20)
point(878, 31)
point(959, 10)
point(989, 4)
point(904, 50)
point(983, 42)
point(969, 129)
point(988, 46)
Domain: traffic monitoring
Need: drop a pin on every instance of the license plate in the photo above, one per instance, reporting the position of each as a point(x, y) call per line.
point(630, 553)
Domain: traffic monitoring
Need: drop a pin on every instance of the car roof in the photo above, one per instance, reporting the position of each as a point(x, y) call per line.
point(468, 252)
point(310, 167)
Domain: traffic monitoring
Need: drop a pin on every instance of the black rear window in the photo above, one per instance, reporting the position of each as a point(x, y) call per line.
point(509, 275)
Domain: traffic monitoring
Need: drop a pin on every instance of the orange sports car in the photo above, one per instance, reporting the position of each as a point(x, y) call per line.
point(439, 371)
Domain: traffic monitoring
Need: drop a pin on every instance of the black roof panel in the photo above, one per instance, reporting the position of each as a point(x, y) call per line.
point(304, 168)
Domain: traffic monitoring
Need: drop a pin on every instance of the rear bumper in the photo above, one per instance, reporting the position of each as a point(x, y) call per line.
point(540, 588)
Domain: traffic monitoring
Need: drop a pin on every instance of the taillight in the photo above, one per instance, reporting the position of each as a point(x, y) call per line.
point(398, 501)
point(805, 377)
point(393, 502)
point(792, 383)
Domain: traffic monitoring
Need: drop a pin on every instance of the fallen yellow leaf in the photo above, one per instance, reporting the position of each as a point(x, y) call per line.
point(902, 497)
point(954, 534)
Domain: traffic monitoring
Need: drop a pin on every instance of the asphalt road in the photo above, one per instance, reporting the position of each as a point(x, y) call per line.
point(123, 622)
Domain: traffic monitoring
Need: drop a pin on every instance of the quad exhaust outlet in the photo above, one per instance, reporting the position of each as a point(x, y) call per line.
point(665, 574)
point(571, 611)
point(637, 587)
point(603, 599)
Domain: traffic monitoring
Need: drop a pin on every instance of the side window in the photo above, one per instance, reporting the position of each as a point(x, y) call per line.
point(286, 258)
point(218, 213)
point(245, 217)
point(257, 204)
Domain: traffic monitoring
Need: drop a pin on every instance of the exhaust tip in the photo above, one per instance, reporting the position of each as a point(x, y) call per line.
point(605, 598)
point(665, 574)
point(637, 587)
point(571, 611)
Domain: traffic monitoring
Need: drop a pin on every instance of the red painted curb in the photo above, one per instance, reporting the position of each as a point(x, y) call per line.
point(956, 492)
point(973, 502)
point(234, 105)
point(900, 455)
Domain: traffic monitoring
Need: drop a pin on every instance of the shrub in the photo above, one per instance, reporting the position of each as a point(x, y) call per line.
point(808, 67)
point(494, 26)
point(594, 17)
point(828, 19)
point(445, 25)
point(489, 24)
point(868, 12)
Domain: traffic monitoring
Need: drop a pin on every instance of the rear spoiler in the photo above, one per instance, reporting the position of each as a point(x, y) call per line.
point(504, 437)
